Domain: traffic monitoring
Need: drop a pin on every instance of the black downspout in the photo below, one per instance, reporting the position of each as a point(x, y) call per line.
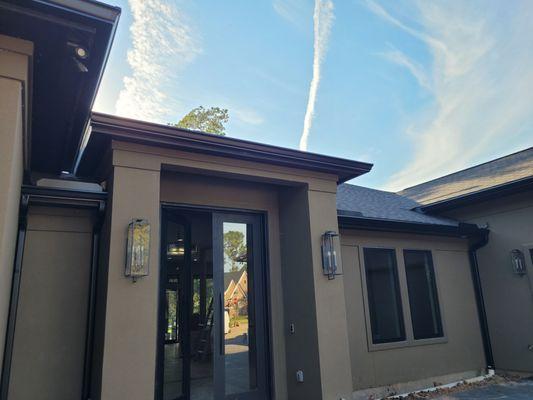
point(89, 340)
point(14, 300)
point(472, 251)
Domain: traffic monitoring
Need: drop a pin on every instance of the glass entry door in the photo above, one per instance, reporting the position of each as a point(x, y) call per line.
point(240, 346)
point(212, 321)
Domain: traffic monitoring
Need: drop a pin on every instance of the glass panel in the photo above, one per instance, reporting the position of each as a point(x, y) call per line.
point(202, 332)
point(173, 353)
point(384, 300)
point(239, 333)
point(423, 300)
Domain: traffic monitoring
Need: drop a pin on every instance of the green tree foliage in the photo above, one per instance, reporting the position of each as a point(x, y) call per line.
point(210, 120)
point(234, 248)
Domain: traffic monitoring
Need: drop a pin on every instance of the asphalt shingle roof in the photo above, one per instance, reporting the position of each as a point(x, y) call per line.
point(378, 204)
point(497, 172)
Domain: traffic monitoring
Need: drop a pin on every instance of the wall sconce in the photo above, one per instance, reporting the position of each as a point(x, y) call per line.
point(331, 260)
point(138, 249)
point(518, 262)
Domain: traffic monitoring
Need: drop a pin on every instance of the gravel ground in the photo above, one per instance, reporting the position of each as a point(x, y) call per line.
point(497, 387)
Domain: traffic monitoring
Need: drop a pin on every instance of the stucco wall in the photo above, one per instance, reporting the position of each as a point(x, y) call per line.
point(462, 349)
point(14, 59)
point(508, 297)
point(143, 177)
point(49, 345)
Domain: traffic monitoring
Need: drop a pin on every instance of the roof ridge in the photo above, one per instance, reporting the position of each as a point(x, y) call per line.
point(467, 169)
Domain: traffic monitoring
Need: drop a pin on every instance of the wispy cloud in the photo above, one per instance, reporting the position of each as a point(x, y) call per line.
point(323, 20)
point(292, 11)
point(247, 115)
point(480, 76)
point(417, 70)
point(163, 43)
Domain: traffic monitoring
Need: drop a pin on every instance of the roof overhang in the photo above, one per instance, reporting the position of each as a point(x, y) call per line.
point(461, 230)
point(64, 84)
point(107, 127)
point(479, 196)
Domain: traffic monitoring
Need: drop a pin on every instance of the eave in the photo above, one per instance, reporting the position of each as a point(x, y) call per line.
point(123, 129)
point(461, 230)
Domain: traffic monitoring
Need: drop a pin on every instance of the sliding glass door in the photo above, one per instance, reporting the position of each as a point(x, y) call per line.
point(212, 338)
point(240, 346)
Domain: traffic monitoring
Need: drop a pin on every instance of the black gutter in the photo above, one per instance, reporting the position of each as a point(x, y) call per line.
point(35, 195)
point(481, 195)
point(483, 239)
point(383, 225)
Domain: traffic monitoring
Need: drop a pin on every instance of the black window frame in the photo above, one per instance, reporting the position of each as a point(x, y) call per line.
point(434, 292)
point(398, 295)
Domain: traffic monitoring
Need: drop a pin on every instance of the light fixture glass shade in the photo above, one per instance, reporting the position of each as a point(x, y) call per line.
point(138, 249)
point(331, 254)
point(518, 262)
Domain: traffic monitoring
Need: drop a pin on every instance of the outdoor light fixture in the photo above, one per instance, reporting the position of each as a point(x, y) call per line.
point(138, 249)
point(331, 261)
point(518, 262)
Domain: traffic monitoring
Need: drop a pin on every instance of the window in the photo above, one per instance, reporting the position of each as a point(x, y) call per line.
point(422, 290)
point(384, 301)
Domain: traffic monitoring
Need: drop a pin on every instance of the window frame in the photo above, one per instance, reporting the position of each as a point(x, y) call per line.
point(402, 321)
point(437, 300)
point(409, 341)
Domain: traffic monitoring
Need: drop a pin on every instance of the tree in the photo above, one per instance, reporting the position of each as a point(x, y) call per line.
point(210, 120)
point(234, 248)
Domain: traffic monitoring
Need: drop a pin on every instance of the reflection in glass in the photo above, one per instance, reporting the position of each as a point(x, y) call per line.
point(173, 356)
point(239, 335)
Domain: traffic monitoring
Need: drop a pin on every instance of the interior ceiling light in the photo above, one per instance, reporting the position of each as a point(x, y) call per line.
point(81, 52)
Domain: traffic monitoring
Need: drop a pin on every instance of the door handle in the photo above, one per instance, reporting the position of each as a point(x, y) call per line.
point(222, 324)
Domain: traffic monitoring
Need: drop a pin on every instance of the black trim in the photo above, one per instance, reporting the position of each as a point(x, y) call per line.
point(382, 225)
point(34, 195)
point(14, 300)
point(89, 340)
point(481, 195)
point(482, 240)
point(198, 142)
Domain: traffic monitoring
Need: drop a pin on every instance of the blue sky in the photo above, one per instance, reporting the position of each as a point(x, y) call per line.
point(418, 88)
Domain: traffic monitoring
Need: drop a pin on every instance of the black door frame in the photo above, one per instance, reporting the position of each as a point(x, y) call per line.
point(257, 302)
point(168, 209)
point(183, 322)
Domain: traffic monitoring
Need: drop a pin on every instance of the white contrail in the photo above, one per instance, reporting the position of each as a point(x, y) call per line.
point(322, 19)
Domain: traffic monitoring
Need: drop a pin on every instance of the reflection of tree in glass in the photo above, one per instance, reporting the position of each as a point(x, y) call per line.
point(234, 248)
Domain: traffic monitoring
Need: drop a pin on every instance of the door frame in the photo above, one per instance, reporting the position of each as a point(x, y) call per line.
point(258, 302)
point(165, 208)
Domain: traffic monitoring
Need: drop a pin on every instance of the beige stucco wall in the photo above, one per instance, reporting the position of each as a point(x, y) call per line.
point(508, 297)
point(462, 350)
point(145, 176)
point(129, 351)
point(49, 345)
point(15, 57)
